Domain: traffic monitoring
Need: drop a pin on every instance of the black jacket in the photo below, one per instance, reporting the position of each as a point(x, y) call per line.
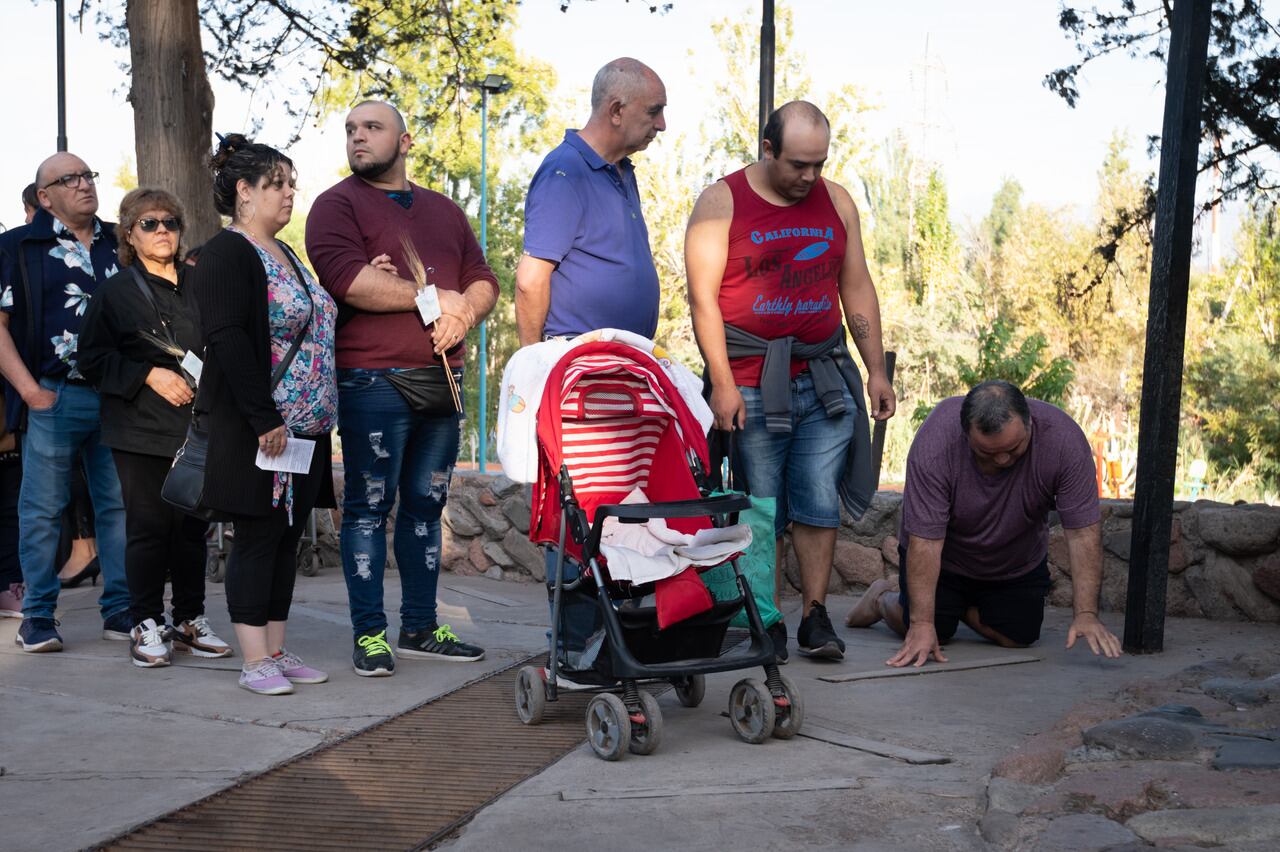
point(116, 358)
point(234, 399)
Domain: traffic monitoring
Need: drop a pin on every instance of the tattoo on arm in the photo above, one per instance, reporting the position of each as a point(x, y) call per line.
point(861, 327)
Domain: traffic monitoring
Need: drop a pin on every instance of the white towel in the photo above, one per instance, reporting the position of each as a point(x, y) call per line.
point(643, 553)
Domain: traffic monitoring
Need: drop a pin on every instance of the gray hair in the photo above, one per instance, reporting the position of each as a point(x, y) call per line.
point(622, 79)
point(991, 405)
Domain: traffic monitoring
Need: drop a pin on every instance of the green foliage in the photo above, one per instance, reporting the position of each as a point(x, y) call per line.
point(1025, 364)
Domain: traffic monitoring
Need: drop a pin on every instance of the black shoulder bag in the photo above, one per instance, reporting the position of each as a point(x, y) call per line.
point(184, 484)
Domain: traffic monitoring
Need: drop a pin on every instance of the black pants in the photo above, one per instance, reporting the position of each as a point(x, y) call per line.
point(77, 518)
point(10, 484)
point(1013, 608)
point(159, 540)
point(264, 555)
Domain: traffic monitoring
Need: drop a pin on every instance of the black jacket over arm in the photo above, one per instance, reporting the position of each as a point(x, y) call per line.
point(116, 358)
point(234, 399)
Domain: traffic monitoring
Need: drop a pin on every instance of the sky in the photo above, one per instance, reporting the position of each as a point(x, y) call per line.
point(988, 114)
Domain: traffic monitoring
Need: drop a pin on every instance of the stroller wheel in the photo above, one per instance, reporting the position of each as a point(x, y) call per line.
point(690, 690)
point(787, 720)
point(751, 710)
point(646, 737)
point(608, 726)
point(531, 695)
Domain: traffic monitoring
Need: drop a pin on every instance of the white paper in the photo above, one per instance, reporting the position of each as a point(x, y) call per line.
point(428, 302)
point(193, 365)
point(296, 457)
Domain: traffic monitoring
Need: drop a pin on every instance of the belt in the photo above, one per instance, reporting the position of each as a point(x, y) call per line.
point(79, 383)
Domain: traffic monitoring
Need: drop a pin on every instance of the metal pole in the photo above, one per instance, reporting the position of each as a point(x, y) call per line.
point(483, 360)
point(766, 70)
point(62, 75)
point(1166, 329)
point(878, 430)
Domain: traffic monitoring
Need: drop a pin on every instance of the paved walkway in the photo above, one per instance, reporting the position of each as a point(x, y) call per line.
point(93, 745)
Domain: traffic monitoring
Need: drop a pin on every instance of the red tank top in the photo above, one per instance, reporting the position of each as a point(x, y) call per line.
point(782, 275)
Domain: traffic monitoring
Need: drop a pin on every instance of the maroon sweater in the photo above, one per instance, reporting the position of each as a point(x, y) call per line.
point(352, 223)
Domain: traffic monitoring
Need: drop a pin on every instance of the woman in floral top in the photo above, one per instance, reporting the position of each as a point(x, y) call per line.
point(260, 308)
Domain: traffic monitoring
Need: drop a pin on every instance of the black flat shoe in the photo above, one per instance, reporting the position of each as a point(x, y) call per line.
point(90, 572)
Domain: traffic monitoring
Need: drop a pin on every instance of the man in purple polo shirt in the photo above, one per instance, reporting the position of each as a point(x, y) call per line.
point(982, 476)
point(587, 262)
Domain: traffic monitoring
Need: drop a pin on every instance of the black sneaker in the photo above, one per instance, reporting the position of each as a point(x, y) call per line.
point(778, 634)
point(38, 635)
point(438, 643)
point(118, 627)
point(816, 637)
point(373, 656)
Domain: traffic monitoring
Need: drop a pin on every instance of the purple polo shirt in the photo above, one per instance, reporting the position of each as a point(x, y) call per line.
point(996, 527)
point(583, 214)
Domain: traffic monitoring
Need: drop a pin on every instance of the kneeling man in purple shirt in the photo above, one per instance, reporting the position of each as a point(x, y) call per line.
point(983, 474)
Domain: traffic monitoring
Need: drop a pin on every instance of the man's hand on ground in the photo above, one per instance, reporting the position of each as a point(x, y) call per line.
point(921, 644)
point(883, 400)
point(729, 409)
point(1101, 640)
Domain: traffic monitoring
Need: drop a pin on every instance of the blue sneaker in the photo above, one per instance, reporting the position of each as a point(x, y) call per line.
point(118, 627)
point(38, 635)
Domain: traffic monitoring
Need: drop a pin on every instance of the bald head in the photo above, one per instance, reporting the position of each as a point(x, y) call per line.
point(74, 203)
point(801, 116)
point(624, 79)
point(389, 114)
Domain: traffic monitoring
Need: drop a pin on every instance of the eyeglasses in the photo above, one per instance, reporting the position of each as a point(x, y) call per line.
point(171, 223)
point(72, 181)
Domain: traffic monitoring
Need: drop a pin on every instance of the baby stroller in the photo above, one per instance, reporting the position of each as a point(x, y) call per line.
point(610, 421)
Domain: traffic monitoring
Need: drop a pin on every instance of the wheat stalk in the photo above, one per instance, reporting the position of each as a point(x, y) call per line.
point(419, 273)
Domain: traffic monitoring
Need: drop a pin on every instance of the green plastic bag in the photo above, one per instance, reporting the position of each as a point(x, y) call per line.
point(757, 565)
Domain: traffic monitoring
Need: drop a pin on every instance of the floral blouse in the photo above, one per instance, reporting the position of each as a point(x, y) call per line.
point(307, 396)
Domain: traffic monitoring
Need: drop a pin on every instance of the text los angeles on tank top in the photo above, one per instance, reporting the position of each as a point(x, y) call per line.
point(782, 273)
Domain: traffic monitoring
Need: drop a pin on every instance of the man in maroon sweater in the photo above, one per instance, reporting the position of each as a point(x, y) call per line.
point(397, 420)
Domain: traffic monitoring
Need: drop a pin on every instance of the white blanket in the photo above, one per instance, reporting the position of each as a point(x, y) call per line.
point(525, 378)
point(643, 553)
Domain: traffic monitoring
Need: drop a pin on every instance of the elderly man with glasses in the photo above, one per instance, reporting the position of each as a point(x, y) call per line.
point(49, 270)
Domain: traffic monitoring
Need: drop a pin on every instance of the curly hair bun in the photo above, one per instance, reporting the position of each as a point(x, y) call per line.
point(227, 146)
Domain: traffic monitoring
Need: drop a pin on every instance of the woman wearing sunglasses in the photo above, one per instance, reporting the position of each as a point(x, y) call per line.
point(139, 327)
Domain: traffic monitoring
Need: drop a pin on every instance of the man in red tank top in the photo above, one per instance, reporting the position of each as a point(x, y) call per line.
point(775, 265)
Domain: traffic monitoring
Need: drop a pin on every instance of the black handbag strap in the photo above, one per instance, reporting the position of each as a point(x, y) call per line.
point(278, 373)
point(151, 300)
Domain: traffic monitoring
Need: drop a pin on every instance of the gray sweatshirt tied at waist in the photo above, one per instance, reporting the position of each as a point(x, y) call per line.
point(831, 367)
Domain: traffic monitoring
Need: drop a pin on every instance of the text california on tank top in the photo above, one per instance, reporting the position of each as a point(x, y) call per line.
point(782, 273)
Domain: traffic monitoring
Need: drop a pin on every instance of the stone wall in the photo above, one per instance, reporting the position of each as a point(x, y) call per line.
point(1224, 561)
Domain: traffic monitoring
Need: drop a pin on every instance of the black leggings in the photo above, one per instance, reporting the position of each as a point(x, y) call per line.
point(10, 483)
point(77, 518)
point(264, 554)
point(160, 540)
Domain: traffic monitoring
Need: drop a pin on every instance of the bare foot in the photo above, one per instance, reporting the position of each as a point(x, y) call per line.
point(866, 611)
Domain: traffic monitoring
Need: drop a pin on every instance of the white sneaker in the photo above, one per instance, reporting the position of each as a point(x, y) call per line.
point(195, 636)
point(148, 647)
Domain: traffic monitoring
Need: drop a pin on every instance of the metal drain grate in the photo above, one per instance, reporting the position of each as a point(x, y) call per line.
point(402, 784)
point(399, 785)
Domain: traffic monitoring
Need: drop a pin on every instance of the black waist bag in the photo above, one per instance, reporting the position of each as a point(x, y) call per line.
point(425, 389)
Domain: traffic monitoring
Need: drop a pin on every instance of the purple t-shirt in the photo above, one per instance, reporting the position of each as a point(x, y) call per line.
point(996, 527)
point(583, 214)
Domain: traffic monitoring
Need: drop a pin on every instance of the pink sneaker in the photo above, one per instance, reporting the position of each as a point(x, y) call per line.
point(11, 600)
point(264, 678)
point(296, 671)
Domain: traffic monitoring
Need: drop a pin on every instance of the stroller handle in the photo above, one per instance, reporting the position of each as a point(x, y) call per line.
point(638, 513)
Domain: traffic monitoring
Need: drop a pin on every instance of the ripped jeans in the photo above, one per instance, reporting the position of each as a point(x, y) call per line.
point(385, 447)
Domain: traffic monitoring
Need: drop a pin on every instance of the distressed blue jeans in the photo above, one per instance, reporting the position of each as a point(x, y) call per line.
point(55, 438)
point(387, 448)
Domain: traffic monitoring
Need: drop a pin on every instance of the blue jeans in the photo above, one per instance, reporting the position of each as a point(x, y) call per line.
point(387, 447)
point(800, 468)
point(54, 439)
point(580, 616)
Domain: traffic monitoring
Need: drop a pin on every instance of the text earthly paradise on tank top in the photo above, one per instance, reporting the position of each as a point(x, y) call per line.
point(782, 273)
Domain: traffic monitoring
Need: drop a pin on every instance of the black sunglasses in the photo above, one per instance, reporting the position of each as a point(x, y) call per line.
point(171, 224)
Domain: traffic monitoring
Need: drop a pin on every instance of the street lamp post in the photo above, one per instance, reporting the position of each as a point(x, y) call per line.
point(493, 84)
point(62, 74)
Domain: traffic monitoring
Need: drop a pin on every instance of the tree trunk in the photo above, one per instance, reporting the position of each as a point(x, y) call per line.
point(173, 108)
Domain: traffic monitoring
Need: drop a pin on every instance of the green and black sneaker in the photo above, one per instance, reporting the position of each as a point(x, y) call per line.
point(437, 643)
point(373, 656)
